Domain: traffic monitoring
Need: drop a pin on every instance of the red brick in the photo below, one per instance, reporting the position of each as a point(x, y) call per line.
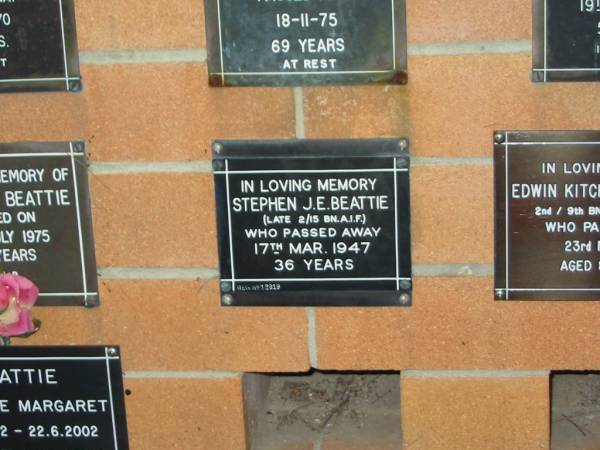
point(459, 201)
point(475, 413)
point(167, 112)
point(139, 24)
point(154, 220)
point(180, 326)
point(185, 414)
point(468, 20)
point(455, 323)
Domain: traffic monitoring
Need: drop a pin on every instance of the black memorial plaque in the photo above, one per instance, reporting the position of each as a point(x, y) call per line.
point(38, 46)
point(62, 398)
point(45, 220)
point(304, 42)
point(547, 215)
point(323, 223)
point(566, 40)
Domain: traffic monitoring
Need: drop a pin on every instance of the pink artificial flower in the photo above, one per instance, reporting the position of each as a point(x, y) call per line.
point(17, 297)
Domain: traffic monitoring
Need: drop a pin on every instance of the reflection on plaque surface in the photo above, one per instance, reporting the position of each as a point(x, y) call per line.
point(62, 398)
point(45, 220)
point(280, 43)
point(313, 222)
point(38, 46)
point(566, 40)
point(547, 215)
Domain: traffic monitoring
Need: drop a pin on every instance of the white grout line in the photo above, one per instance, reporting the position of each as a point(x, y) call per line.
point(199, 55)
point(142, 56)
point(473, 373)
point(311, 317)
point(197, 166)
point(193, 273)
point(318, 443)
point(450, 161)
point(157, 273)
point(469, 48)
point(199, 375)
point(454, 270)
point(108, 168)
point(299, 113)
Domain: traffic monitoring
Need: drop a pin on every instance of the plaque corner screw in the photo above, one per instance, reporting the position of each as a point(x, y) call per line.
point(226, 286)
point(75, 85)
point(403, 144)
point(499, 138)
point(227, 300)
point(500, 294)
point(404, 299)
point(405, 284)
point(112, 351)
point(217, 147)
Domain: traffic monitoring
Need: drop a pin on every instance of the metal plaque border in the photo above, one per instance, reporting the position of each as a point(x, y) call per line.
point(527, 140)
point(398, 149)
point(217, 77)
point(541, 73)
point(71, 82)
point(77, 152)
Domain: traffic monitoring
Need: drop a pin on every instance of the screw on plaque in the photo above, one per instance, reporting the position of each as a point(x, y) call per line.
point(500, 294)
point(499, 138)
point(112, 351)
point(405, 284)
point(227, 300)
point(217, 147)
point(403, 144)
point(404, 299)
point(225, 286)
point(75, 86)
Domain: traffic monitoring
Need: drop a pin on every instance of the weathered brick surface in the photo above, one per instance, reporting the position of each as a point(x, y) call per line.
point(139, 24)
point(475, 413)
point(154, 220)
point(180, 326)
point(455, 323)
point(167, 112)
point(452, 214)
point(468, 20)
point(42, 117)
point(148, 112)
point(202, 414)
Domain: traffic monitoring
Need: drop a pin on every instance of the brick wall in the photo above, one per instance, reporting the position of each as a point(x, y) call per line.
point(476, 370)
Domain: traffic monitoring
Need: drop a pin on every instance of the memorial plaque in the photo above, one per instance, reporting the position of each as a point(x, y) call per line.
point(45, 220)
point(323, 223)
point(304, 42)
point(62, 398)
point(566, 40)
point(38, 46)
point(547, 215)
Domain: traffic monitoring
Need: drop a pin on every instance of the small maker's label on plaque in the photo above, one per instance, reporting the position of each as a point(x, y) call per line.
point(301, 218)
point(547, 215)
